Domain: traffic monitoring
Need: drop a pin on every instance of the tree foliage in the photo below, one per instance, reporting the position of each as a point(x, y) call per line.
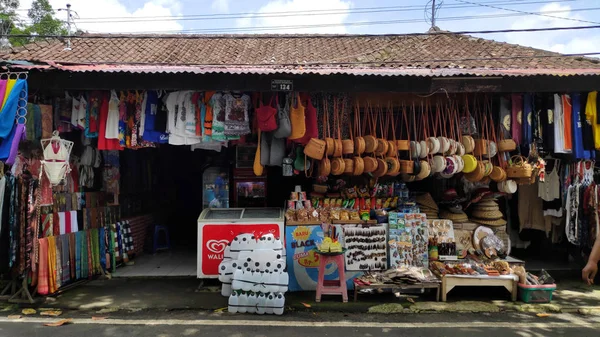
point(41, 20)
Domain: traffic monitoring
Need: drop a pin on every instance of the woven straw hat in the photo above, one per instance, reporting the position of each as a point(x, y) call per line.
point(426, 200)
point(488, 222)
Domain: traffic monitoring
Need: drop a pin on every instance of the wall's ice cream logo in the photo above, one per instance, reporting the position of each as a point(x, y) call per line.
point(216, 246)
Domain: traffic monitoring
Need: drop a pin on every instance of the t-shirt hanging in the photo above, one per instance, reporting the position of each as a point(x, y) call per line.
point(568, 120)
point(591, 114)
point(112, 122)
point(586, 129)
point(237, 122)
point(516, 117)
point(577, 134)
point(179, 109)
point(559, 125)
point(547, 122)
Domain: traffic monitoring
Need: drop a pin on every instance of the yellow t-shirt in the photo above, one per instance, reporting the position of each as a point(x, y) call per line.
point(591, 115)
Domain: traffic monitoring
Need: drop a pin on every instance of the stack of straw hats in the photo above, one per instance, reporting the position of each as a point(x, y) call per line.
point(455, 214)
point(428, 206)
point(487, 212)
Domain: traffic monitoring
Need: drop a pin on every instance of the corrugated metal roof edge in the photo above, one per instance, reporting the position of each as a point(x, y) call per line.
point(322, 71)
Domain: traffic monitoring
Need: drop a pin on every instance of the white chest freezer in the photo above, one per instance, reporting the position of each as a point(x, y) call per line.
point(218, 226)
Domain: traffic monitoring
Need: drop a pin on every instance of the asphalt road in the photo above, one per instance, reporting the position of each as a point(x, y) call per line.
point(303, 324)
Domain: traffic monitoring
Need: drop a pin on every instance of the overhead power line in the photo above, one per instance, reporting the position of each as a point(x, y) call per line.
point(543, 14)
point(303, 36)
point(363, 10)
point(360, 23)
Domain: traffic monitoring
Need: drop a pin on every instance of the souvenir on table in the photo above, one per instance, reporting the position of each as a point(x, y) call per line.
point(443, 232)
point(420, 239)
point(366, 248)
point(400, 243)
point(464, 242)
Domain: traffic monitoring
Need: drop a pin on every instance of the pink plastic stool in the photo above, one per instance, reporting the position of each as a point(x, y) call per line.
point(332, 287)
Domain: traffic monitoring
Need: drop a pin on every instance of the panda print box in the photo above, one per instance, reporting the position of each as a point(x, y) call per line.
point(218, 228)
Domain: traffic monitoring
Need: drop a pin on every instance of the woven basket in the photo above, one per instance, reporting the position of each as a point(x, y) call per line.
point(477, 174)
point(481, 147)
point(392, 149)
point(406, 166)
point(330, 146)
point(315, 148)
point(469, 143)
point(337, 148)
point(425, 170)
point(359, 146)
point(359, 166)
point(347, 146)
point(348, 166)
point(370, 144)
point(337, 166)
point(324, 167)
point(320, 188)
point(382, 147)
point(382, 168)
point(370, 164)
point(519, 168)
point(393, 166)
point(403, 145)
point(507, 145)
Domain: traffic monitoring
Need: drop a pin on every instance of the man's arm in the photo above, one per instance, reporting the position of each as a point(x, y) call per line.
point(590, 270)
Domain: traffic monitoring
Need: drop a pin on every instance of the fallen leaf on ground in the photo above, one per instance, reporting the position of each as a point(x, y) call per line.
point(28, 311)
point(14, 316)
point(60, 323)
point(221, 309)
point(411, 300)
point(52, 313)
point(98, 318)
point(543, 315)
point(306, 305)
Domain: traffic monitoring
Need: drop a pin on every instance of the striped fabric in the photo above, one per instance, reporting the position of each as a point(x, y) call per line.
point(127, 238)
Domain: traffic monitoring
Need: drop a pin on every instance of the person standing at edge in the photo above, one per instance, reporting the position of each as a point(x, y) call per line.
point(591, 268)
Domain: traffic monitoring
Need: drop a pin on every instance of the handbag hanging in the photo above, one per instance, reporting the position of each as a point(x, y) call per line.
point(284, 126)
point(312, 130)
point(266, 116)
point(298, 119)
point(258, 168)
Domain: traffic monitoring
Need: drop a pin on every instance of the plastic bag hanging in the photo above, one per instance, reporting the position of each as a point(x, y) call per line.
point(57, 152)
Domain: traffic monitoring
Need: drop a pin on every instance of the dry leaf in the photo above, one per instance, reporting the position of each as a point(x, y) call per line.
point(14, 316)
point(543, 315)
point(220, 310)
point(306, 305)
point(28, 311)
point(52, 313)
point(61, 322)
point(98, 318)
point(410, 300)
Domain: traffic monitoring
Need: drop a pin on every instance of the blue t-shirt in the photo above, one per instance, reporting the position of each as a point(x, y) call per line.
point(578, 150)
point(220, 185)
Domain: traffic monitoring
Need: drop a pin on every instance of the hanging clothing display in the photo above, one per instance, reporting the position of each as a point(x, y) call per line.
point(577, 130)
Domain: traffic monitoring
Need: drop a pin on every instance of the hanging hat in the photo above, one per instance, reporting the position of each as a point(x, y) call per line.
point(426, 200)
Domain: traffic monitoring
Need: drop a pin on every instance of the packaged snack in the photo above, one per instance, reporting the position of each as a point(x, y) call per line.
point(344, 215)
point(302, 215)
point(315, 202)
point(351, 192)
point(335, 214)
point(307, 204)
point(324, 215)
point(394, 203)
point(299, 205)
point(379, 204)
point(363, 192)
point(313, 215)
point(338, 203)
point(301, 196)
point(294, 196)
point(345, 203)
point(352, 203)
point(291, 204)
point(365, 215)
point(368, 204)
point(326, 202)
point(354, 215)
point(386, 203)
point(290, 215)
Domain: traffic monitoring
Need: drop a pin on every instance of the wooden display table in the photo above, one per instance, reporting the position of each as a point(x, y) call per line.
point(428, 285)
point(507, 281)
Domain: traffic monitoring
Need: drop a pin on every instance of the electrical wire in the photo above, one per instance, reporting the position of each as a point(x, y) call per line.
point(361, 10)
point(543, 14)
point(352, 24)
point(303, 36)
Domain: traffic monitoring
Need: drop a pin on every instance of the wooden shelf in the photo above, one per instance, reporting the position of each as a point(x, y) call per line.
point(335, 222)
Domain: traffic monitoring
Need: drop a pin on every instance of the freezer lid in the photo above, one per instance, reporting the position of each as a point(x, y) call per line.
point(222, 214)
point(262, 213)
point(235, 214)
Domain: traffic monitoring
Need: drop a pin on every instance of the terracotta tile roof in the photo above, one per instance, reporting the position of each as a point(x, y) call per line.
point(446, 51)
